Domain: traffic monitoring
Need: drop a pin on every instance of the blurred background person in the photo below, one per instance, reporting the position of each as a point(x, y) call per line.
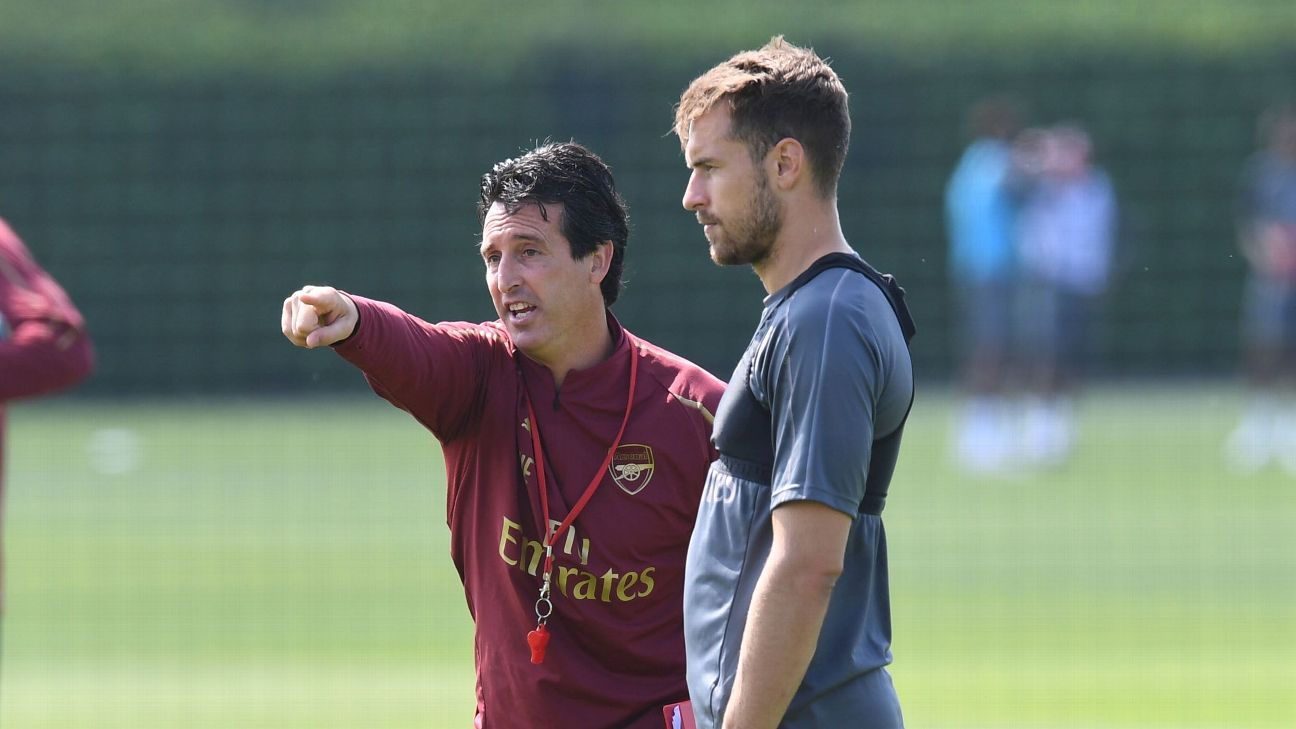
point(1066, 233)
point(981, 220)
point(43, 342)
point(1267, 238)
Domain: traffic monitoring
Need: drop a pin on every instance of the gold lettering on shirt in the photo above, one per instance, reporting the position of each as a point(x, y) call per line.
point(586, 588)
point(569, 543)
point(563, 574)
point(609, 578)
point(506, 537)
point(528, 551)
point(531, 553)
point(517, 550)
point(646, 578)
point(628, 580)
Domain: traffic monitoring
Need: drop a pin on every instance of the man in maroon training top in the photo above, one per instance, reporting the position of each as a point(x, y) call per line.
point(576, 452)
point(43, 342)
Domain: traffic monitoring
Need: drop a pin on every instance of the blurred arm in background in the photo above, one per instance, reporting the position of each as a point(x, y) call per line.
point(44, 346)
point(43, 343)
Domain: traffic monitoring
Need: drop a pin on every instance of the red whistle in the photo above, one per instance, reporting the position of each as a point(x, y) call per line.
point(538, 639)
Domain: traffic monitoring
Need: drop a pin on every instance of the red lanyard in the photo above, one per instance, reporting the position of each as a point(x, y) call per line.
point(538, 639)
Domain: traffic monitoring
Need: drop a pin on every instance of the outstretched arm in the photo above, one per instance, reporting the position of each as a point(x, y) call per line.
point(318, 316)
point(787, 612)
point(436, 372)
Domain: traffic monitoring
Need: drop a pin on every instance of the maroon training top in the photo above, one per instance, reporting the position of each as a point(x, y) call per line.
point(43, 344)
point(617, 649)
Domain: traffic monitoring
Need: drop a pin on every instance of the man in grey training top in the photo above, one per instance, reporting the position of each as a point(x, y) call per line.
point(786, 608)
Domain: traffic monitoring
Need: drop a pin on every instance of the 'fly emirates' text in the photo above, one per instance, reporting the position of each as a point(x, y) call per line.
point(573, 582)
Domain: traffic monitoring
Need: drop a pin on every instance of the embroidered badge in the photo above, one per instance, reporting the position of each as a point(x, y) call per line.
point(632, 467)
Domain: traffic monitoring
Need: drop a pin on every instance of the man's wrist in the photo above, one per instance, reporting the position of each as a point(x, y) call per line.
point(354, 329)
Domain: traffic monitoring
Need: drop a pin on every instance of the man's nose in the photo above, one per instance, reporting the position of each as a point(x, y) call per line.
point(507, 275)
point(694, 193)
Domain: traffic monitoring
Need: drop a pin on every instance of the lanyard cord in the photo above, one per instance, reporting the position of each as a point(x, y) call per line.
point(539, 638)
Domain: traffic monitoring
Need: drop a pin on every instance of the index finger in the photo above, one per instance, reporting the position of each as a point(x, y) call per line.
point(319, 295)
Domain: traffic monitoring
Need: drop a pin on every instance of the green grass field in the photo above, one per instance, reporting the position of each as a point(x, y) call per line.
point(228, 565)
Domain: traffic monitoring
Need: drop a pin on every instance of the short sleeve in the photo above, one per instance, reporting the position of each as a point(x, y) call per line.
point(823, 376)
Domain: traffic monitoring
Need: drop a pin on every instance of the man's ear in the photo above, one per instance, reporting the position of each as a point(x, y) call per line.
point(600, 261)
point(787, 163)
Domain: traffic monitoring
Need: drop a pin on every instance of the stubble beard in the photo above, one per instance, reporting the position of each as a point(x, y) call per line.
point(752, 238)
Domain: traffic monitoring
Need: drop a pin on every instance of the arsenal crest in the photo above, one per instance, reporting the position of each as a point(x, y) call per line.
point(632, 467)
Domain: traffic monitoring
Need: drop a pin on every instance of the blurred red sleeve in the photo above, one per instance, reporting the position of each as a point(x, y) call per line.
point(43, 345)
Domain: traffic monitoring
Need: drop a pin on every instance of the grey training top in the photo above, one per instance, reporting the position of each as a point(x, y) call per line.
point(821, 392)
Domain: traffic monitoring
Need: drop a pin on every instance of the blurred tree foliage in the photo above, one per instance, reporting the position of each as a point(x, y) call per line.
point(188, 37)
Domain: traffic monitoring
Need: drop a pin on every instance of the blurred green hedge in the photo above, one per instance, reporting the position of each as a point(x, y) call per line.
point(180, 211)
point(198, 38)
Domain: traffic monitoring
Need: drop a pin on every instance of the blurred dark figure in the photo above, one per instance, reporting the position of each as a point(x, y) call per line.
point(981, 218)
point(43, 342)
point(1267, 238)
point(1066, 236)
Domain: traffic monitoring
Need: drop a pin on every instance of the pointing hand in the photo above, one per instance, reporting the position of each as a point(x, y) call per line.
point(317, 316)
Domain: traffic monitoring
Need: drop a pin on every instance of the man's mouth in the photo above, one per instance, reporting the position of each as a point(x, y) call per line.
point(520, 311)
point(708, 224)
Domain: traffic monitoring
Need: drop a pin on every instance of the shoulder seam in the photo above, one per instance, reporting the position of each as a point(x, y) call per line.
point(669, 387)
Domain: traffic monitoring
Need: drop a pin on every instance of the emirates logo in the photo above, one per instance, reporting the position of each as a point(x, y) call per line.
point(632, 467)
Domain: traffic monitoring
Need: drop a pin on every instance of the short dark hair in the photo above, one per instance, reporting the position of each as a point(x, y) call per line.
point(569, 174)
point(778, 91)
